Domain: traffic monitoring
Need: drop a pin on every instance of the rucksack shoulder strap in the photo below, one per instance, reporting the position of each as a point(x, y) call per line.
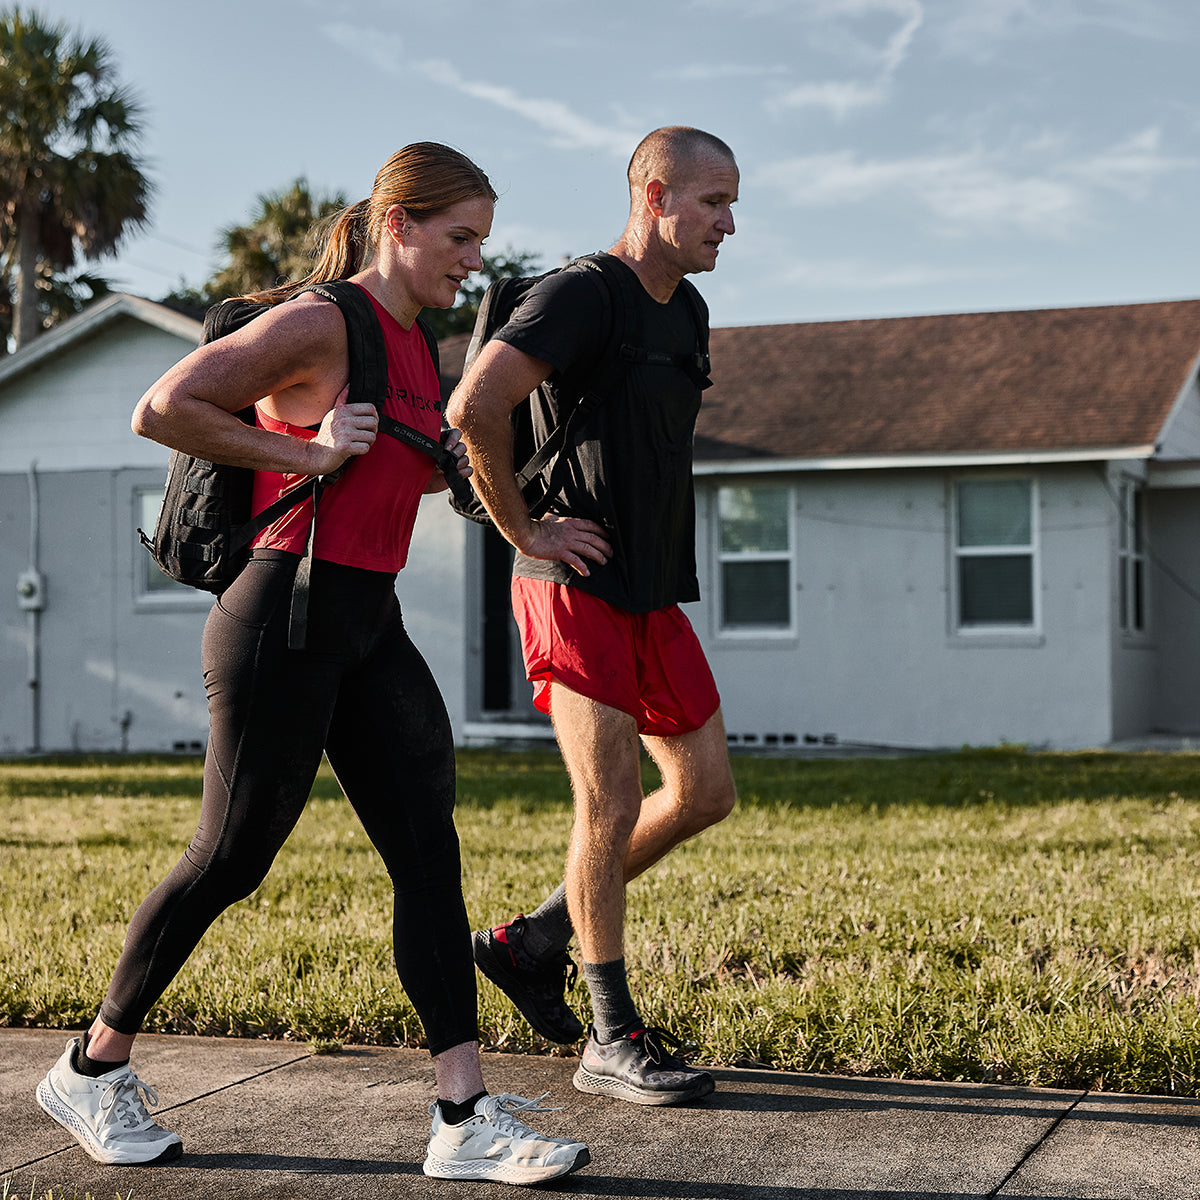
point(364, 340)
point(431, 342)
point(368, 370)
point(630, 346)
point(223, 318)
point(611, 278)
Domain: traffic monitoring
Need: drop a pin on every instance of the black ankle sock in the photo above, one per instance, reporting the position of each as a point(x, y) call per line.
point(91, 1067)
point(456, 1114)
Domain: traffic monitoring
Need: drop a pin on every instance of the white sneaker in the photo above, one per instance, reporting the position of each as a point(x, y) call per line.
point(495, 1145)
point(106, 1115)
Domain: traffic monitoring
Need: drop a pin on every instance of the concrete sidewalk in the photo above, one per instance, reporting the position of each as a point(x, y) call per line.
point(267, 1120)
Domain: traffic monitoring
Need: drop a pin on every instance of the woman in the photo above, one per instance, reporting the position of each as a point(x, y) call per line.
point(359, 691)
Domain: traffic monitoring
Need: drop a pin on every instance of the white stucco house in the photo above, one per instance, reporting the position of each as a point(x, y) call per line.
point(99, 650)
point(942, 530)
point(914, 532)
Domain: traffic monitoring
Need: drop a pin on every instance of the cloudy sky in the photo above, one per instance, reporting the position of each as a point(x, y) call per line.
point(897, 156)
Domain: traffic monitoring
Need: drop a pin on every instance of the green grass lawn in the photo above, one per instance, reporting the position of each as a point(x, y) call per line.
point(989, 915)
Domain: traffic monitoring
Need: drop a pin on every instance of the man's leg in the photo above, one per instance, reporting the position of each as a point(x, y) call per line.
point(697, 791)
point(600, 748)
point(531, 963)
point(623, 1058)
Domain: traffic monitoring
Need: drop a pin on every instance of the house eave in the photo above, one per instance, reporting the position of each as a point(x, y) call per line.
point(54, 341)
point(894, 462)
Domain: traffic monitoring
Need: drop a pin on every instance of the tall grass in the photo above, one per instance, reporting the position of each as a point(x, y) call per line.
point(989, 915)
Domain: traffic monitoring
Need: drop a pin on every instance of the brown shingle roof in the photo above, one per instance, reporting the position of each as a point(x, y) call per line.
point(1048, 379)
point(1043, 379)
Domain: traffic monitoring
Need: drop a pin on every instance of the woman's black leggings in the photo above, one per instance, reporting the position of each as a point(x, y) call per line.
point(362, 693)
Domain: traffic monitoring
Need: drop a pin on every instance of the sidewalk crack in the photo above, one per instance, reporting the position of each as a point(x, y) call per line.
point(1037, 1145)
point(291, 1062)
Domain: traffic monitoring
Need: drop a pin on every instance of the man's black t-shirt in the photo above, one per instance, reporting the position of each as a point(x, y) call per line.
point(631, 469)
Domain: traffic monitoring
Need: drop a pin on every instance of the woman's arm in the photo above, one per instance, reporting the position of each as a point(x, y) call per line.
point(452, 440)
point(294, 356)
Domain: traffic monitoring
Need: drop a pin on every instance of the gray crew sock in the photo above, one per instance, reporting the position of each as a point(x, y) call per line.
point(614, 1013)
point(548, 929)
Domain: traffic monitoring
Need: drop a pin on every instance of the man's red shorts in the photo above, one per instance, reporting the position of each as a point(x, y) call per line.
point(649, 665)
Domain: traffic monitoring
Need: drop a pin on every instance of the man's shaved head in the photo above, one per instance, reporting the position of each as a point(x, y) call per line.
point(669, 154)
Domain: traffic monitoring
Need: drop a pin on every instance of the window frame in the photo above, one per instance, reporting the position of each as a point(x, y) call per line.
point(722, 557)
point(1007, 630)
point(1132, 560)
point(172, 596)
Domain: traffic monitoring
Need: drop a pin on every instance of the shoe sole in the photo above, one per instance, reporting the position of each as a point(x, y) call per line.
point(504, 980)
point(620, 1089)
point(500, 1172)
point(57, 1109)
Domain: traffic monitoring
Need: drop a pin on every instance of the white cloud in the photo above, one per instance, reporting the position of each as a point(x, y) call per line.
point(569, 129)
point(981, 28)
point(974, 190)
point(912, 16)
point(1130, 166)
point(384, 51)
point(856, 275)
point(707, 72)
point(840, 97)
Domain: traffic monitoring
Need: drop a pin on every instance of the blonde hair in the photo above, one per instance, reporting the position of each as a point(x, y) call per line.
point(424, 178)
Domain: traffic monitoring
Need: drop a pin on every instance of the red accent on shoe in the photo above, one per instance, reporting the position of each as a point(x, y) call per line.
point(500, 932)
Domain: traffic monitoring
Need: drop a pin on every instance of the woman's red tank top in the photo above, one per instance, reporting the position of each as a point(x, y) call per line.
point(366, 519)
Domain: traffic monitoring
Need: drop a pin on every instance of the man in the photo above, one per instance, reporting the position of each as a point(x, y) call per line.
point(596, 588)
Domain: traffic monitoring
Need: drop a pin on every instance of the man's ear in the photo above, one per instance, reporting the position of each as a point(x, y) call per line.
point(655, 196)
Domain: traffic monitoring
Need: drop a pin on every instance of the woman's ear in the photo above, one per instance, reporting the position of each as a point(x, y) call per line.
point(396, 222)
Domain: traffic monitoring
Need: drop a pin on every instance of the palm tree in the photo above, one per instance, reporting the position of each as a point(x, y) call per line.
point(281, 241)
point(278, 244)
point(71, 185)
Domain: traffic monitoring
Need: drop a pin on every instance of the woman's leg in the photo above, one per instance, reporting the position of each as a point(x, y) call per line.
point(268, 712)
point(269, 708)
point(391, 746)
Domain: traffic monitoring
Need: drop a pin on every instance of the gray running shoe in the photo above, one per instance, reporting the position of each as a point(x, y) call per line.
point(495, 1144)
point(537, 987)
point(640, 1069)
point(107, 1116)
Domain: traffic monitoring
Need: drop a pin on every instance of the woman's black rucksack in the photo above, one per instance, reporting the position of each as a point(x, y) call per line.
point(204, 528)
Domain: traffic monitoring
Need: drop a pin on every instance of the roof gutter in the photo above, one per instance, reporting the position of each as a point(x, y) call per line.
point(50, 344)
point(893, 462)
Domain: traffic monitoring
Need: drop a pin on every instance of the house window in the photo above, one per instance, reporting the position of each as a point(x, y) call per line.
point(149, 582)
point(994, 553)
point(754, 557)
point(1131, 559)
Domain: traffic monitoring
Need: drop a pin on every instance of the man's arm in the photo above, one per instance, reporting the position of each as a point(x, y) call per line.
point(499, 379)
